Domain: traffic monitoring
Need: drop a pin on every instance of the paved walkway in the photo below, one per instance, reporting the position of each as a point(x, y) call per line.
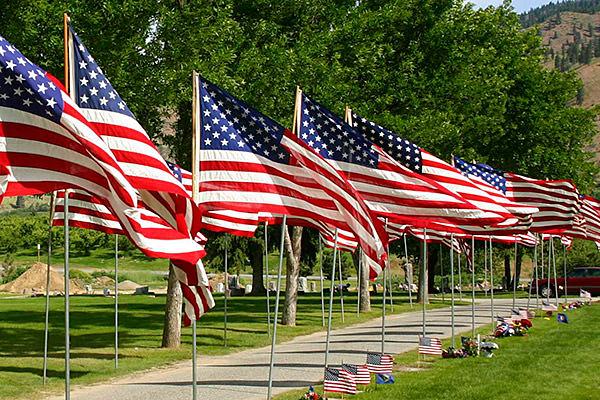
point(299, 363)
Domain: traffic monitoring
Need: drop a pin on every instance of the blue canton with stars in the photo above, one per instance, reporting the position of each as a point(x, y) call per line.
point(25, 87)
point(402, 150)
point(175, 170)
point(92, 89)
point(230, 124)
point(492, 176)
point(332, 138)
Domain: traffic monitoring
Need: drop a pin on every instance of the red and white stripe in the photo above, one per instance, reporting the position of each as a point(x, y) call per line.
point(339, 381)
point(361, 373)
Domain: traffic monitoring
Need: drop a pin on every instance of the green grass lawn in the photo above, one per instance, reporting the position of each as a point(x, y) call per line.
point(554, 361)
point(92, 335)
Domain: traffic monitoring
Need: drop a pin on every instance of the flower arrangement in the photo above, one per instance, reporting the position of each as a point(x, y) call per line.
point(311, 395)
point(451, 352)
point(469, 346)
point(487, 347)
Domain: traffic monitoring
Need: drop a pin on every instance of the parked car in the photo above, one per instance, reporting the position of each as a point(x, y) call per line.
point(587, 278)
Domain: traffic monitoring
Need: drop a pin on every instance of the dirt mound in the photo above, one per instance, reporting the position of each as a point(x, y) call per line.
point(128, 285)
point(35, 279)
point(104, 281)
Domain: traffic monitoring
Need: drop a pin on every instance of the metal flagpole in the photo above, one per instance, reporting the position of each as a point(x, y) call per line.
point(531, 283)
point(321, 276)
point(473, 286)
point(425, 283)
point(452, 283)
point(274, 337)
point(408, 273)
point(116, 301)
point(565, 274)
point(442, 272)
point(491, 283)
point(226, 294)
point(67, 310)
point(549, 275)
point(515, 278)
point(267, 279)
point(542, 253)
point(194, 362)
point(383, 308)
point(341, 281)
point(485, 267)
point(391, 285)
point(52, 197)
point(460, 277)
point(554, 270)
point(331, 301)
point(537, 288)
point(359, 277)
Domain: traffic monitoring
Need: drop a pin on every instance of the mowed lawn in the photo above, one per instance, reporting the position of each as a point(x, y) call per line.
point(141, 321)
point(554, 361)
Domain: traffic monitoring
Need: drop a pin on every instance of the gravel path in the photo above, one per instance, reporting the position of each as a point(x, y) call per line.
point(299, 363)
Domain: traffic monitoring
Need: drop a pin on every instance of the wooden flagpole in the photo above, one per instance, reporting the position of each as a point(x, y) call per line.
point(68, 58)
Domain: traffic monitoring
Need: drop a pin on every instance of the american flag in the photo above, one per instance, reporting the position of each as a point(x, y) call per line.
point(422, 162)
point(361, 373)
point(233, 222)
point(548, 306)
point(48, 145)
point(391, 190)
point(466, 250)
point(378, 363)
point(339, 381)
point(558, 201)
point(252, 164)
point(87, 212)
point(431, 346)
point(590, 210)
point(158, 187)
point(584, 294)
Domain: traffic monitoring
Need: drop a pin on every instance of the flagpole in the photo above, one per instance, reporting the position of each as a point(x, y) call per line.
point(549, 275)
point(554, 270)
point(331, 300)
point(267, 280)
point(473, 286)
point(515, 278)
point(51, 215)
point(194, 361)
point(274, 337)
point(531, 282)
point(409, 275)
point(116, 301)
point(537, 288)
point(452, 283)
point(485, 267)
point(66, 228)
point(565, 273)
point(341, 281)
point(322, 283)
point(359, 278)
point(391, 285)
point(424, 287)
point(442, 272)
point(226, 294)
point(460, 278)
point(491, 283)
point(383, 309)
point(67, 309)
point(542, 253)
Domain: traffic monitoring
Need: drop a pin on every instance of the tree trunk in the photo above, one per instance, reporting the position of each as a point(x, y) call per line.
point(518, 266)
point(172, 324)
point(293, 249)
point(422, 296)
point(507, 281)
point(20, 203)
point(257, 249)
point(365, 297)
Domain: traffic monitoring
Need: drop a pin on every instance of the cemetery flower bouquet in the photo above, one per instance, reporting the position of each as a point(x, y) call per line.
point(469, 346)
point(311, 395)
point(487, 348)
point(451, 352)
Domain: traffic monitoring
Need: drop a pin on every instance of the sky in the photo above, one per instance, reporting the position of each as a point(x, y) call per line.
point(519, 5)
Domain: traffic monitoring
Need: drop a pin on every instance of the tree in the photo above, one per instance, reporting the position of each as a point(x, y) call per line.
point(293, 249)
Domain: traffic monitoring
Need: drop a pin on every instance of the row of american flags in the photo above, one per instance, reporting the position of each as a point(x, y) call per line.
point(346, 378)
point(347, 177)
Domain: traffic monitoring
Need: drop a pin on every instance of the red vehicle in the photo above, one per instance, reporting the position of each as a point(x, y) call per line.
point(587, 278)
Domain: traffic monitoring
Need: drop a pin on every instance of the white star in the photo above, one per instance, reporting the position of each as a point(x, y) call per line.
point(281, 156)
point(42, 88)
point(112, 95)
point(82, 64)
point(2, 51)
point(81, 48)
point(93, 74)
point(11, 65)
point(51, 102)
point(102, 84)
point(8, 80)
point(21, 61)
point(94, 91)
point(224, 142)
point(103, 101)
point(10, 48)
point(27, 102)
point(84, 99)
point(240, 143)
point(207, 142)
point(207, 127)
point(20, 78)
point(3, 96)
point(216, 135)
point(90, 58)
point(232, 136)
point(121, 105)
point(18, 91)
point(84, 81)
point(224, 128)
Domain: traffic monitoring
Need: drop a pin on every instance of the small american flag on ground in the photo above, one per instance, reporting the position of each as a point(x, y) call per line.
point(339, 380)
point(360, 372)
point(584, 294)
point(548, 307)
point(431, 346)
point(378, 363)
